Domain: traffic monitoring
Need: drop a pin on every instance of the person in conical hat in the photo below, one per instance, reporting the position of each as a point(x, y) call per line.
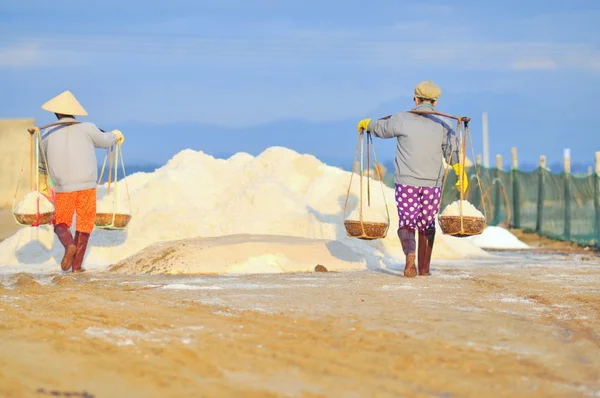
point(423, 142)
point(69, 147)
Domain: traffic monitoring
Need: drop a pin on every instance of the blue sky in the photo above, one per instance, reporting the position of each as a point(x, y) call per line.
point(249, 65)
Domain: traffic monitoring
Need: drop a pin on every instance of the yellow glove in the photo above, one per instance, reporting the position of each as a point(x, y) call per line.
point(460, 173)
point(43, 187)
point(120, 138)
point(363, 125)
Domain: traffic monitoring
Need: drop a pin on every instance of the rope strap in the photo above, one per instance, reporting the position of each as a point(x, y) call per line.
point(362, 138)
point(463, 131)
point(35, 148)
point(115, 156)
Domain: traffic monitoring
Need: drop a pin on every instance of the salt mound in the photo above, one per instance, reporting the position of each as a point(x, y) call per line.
point(111, 204)
point(235, 254)
point(240, 159)
point(498, 238)
point(369, 214)
point(468, 210)
point(29, 204)
point(279, 192)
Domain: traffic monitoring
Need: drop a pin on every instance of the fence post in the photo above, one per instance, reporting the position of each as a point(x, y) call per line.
point(597, 196)
point(498, 190)
point(516, 199)
point(541, 194)
point(567, 183)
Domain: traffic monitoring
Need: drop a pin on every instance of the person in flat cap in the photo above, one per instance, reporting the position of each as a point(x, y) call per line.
point(424, 141)
point(69, 146)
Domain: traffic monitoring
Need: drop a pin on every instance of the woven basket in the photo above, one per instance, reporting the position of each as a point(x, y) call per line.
point(29, 219)
point(450, 225)
point(373, 230)
point(104, 220)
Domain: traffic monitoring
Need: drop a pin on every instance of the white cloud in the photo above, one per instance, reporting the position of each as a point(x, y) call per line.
point(20, 55)
point(375, 48)
point(534, 64)
point(34, 55)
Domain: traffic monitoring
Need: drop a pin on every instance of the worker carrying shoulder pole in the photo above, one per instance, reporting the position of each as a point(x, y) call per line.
point(423, 142)
point(73, 167)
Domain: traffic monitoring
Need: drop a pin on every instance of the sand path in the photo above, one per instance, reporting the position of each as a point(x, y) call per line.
point(512, 326)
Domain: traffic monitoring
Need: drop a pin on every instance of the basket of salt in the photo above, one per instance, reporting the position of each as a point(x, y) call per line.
point(355, 225)
point(366, 230)
point(35, 208)
point(108, 214)
point(112, 220)
point(461, 219)
point(34, 220)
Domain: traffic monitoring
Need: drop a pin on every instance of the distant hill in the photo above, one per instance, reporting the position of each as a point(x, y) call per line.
point(512, 121)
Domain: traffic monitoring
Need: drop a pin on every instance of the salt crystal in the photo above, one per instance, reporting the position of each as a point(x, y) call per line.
point(369, 214)
point(29, 204)
point(468, 210)
point(107, 205)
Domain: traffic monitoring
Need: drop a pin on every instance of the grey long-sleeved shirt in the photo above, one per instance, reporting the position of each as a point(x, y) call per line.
point(423, 141)
point(70, 152)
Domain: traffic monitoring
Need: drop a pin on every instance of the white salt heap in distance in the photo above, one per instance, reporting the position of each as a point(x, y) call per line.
point(29, 204)
point(498, 238)
point(468, 210)
point(279, 192)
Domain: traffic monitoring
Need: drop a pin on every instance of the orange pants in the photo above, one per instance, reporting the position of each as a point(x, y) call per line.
point(81, 203)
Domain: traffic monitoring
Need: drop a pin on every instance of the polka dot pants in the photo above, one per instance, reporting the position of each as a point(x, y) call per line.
point(417, 206)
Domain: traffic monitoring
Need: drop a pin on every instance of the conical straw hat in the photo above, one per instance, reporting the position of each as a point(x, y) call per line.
point(65, 104)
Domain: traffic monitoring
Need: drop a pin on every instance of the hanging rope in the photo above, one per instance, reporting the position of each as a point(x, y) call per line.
point(376, 230)
point(35, 147)
point(463, 132)
point(115, 155)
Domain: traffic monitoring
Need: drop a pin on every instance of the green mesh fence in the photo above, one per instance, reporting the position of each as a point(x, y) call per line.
point(558, 206)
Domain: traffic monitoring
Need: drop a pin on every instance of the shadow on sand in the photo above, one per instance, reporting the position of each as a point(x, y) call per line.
point(342, 247)
point(36, 251)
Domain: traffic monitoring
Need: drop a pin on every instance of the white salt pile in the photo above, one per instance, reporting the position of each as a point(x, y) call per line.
point(279, 192)
point(468, 210)
point(236, 254)
point(29, 204)
point(498, 238)
point(111, 203)
point(373, 205)
point(369, 214)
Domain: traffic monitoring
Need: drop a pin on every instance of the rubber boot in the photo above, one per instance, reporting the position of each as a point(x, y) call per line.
point(65, 237)
point(426, 239)
point(409, 268)
point(407, 239)
point(81, 241)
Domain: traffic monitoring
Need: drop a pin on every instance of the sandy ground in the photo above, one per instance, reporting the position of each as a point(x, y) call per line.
point(547, 244)
point(518, 325)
